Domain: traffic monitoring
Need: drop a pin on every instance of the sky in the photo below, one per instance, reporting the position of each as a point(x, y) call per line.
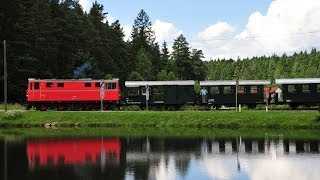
point(226, 28)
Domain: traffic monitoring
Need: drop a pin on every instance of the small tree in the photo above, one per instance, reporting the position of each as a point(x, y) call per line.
point(135, 76)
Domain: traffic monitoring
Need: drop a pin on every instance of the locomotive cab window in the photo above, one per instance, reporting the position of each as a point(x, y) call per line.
point(214, 90)
point(36, 85)
point(97, 84)
point(49, 84)
point(60, 84)
point(305, 88)
point(87, 84)
point(254, 89)
point(133, 91)
point(111, 86)
point(241, 90)
point(227, 90)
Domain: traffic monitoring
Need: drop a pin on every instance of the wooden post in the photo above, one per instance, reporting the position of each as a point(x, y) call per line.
point(5, 77)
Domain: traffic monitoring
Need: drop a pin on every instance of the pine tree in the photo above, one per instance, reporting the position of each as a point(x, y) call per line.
point(181, 54)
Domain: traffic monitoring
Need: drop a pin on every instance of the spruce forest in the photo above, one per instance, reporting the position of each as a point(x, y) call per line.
point(58, 39)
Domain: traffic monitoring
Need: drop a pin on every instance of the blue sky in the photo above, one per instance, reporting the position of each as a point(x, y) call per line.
point(226, 28)
point(189, 15)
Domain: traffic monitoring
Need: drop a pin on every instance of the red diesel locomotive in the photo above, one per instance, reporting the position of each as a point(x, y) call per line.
point(64, 94)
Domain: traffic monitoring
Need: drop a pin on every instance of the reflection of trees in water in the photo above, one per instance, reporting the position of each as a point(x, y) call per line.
point(182, 164)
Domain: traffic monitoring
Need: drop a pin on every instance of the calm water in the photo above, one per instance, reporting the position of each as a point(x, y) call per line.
point(160, 158)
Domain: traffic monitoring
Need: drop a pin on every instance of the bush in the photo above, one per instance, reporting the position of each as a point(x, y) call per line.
point(131, 108)
point(193, 108)
point(13, 114)
point(15, 106)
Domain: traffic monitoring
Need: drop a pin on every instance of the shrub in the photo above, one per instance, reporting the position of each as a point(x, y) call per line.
point(13, 114)
point(193, 108)
point(131, 108)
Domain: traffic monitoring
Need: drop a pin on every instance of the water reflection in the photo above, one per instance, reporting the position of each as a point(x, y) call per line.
point(162, 158)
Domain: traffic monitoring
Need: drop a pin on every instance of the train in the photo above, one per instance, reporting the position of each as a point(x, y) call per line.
point(90, 94)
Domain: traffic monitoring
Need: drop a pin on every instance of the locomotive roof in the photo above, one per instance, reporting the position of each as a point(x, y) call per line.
point(158, 83)
point(233, 82)
point(72, 80)
point(298, 81)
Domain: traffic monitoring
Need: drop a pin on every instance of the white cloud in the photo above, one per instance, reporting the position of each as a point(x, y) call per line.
point(86, 4)
point(288, 26)
point(109, 18)
point(127, 32)
point(165, 31)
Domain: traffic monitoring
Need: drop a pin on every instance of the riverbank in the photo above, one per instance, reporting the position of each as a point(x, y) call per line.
point(16, 134)
point(167, 119)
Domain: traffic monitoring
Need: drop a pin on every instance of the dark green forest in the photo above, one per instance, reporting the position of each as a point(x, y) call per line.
point(58, 39)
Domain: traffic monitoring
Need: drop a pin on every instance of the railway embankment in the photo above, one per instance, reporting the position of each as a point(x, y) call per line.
point(164, 119)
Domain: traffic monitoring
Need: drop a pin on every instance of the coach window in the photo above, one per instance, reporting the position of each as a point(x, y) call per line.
point(214, 90)
point(254, 89)
point(133, 91)
point(318, 88)
point(241, 90)
point(111, 86)
point(227, 90)
point(49, 84)
point(305, 88)
point(36, 85)
point(31, 86)
point(97, 84)
point(291, 88)
point(60, 84)
point(87, 84)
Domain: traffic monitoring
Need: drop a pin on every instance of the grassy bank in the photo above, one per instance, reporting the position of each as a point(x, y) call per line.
point(16, 134)
point(177, 119)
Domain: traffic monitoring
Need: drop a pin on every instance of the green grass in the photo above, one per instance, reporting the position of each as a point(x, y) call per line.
point(168, 119)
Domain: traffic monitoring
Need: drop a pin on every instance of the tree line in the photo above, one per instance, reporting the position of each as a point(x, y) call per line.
point(58, 39)
point(299, 65)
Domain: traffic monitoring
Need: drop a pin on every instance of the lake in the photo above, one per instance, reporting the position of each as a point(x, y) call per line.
point(272, 156)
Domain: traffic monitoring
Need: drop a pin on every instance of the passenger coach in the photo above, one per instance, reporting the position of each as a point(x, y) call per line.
point(159, 92)
point(300, 91)
point(250, 92)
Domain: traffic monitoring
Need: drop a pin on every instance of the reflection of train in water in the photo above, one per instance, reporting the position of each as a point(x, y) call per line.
point(90, 94)
point(149, 157)
point(99, 152)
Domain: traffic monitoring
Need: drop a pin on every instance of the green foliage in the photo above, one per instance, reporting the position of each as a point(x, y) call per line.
point(144, 65)
point(299, 65)
point(108, 76)
point(193, 108)
point(171, 76)
point(131, 108)
point(181, 55)
point(13, 114)
point(162, 75)
point(15, 106)
point(197, 87)
point(135, 76)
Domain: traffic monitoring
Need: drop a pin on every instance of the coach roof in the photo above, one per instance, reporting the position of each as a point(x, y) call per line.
point(233, 82)
point(159, 83)
point(298, 81)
